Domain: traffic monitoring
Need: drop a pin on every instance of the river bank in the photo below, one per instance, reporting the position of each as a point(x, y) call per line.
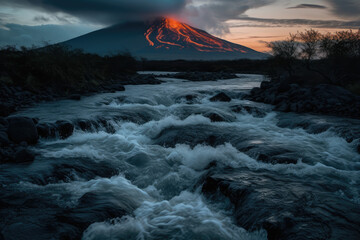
point(319, 99)
point(16, 97)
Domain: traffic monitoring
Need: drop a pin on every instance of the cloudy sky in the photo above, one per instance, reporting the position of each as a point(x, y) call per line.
point(247, 22)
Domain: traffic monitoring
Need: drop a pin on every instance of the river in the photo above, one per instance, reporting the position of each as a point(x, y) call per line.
point(141, 175)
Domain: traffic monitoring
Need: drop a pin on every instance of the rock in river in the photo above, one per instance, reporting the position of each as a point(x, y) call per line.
point(220, 97)
point(65, 129)
point(22, 129)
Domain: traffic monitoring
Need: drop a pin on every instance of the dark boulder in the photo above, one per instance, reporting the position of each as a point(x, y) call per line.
point(117, 87)
point(6, 155)
point(46, 130)
point(105, 124)
point(220, 97)
point(4, 140)
point(283, 87)
point(22, 129)
point(6, 109)
point(23, 155)
point(35, 120)
point(358, 148)
point(265, 85)
point(287, 207)
point(322, 98)
point(282, 107)
point(255, 111)
point(3, 123)
point(214, 117)
point(92, 207)
point(190, 97)
point(76, 97)
point(85, 125)
point(64, 128)
point(203, 76)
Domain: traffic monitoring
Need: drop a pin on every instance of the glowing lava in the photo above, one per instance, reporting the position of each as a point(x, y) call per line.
point(169, 33)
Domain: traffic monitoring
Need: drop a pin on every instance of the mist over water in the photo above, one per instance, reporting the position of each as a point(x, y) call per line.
point(142, 176)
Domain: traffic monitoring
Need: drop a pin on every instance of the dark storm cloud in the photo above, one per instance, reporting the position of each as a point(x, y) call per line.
point(308, 6)
point(346, 8)
point(270, 22)
point(104, 11)
point(212, 14)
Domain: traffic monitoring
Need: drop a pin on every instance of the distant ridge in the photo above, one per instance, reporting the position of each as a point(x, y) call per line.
point(162, 39)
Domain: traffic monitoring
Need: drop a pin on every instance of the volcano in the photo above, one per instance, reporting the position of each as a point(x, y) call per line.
point(161, 39)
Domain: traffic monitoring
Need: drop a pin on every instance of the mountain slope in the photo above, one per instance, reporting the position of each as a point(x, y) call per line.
point(161, 39)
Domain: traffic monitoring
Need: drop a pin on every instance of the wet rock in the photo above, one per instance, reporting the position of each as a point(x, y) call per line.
point(191, 98)
point(117, 87)
point(6, 109)
point(287, 207)
point(358, 148)
point(140, 79)
point(85, 125)
point(283, 87)
point(323, 98)
point(22, 129)
point(23, 155)
point(92, 207)
point(35, 120)
point(3, 123)
point(194, 135)
point(220, 97)
point(2, 157)
point(255, 111)
point(203, 76)
point(4, 139)
point(23, 144)
point(215, 117)
point(103, 124)
point(7, 155)
point(64, 128)
point(75, 97)
point(46, 130)
point(282, 107)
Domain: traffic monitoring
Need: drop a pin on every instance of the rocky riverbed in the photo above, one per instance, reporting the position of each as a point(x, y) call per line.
point(320, 99)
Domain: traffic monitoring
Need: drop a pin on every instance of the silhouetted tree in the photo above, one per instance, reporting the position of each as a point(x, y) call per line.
point(285, 52)
point(335, 57)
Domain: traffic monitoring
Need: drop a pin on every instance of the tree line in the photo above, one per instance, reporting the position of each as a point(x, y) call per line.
point(332, 57)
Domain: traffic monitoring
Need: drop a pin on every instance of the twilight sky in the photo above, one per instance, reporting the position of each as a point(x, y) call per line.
point(247, 22)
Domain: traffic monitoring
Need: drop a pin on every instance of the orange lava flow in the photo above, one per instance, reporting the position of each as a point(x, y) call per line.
point(170, 32)
point(147, 34)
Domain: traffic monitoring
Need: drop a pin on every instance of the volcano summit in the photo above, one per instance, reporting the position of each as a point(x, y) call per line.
point(161, 39)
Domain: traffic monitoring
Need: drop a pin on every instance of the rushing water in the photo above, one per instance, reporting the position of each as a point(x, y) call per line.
point(142, 176)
